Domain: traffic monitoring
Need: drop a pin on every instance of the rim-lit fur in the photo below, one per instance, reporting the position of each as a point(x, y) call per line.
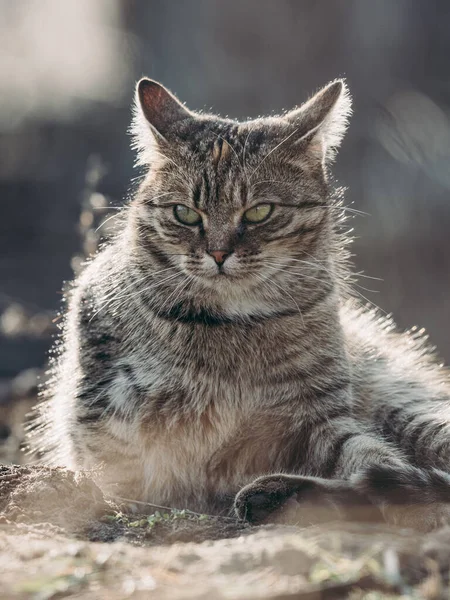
point(182, 384)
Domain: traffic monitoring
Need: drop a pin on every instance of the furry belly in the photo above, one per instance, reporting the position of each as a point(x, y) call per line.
point(199, 466)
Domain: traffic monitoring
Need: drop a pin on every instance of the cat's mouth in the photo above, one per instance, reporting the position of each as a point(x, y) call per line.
point(220, 279)
point(223, 277)
point(222, 273)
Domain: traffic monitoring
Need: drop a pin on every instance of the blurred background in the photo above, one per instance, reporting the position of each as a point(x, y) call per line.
point(67, 71)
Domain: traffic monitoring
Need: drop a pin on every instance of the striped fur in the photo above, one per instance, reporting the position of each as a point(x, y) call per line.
point(184, 383)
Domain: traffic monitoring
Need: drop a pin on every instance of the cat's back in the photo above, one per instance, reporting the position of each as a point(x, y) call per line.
point(391, 368)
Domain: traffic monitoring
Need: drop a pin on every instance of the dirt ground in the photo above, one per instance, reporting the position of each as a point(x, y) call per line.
point(60, 538)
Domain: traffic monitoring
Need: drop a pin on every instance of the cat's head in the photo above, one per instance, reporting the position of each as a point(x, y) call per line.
point(236, 204)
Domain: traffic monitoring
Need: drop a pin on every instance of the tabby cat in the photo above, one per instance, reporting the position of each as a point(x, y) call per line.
point(213, 354)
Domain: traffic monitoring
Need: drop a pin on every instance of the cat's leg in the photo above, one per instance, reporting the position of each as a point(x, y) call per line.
point(420, 426)
point(336, 450)
point(366, 473)
point(416, 499)
point(302, 500)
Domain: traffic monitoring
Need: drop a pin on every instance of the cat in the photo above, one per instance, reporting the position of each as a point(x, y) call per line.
point(213, 354)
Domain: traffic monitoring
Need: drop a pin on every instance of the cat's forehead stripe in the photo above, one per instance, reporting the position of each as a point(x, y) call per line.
point(221, 151)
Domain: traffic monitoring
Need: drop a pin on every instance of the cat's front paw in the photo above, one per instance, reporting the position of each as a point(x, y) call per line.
point(301, 500)
point(257, 501)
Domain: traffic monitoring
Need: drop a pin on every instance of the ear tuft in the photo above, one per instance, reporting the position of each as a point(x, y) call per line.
point(324, 119)
point(336, 121)
point(156, 114)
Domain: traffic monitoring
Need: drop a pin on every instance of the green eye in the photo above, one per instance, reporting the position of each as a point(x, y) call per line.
point(186, 215)
point(258, 213)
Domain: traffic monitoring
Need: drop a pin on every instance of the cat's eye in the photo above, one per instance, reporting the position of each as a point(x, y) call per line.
point(258, 213)
point(186, 215)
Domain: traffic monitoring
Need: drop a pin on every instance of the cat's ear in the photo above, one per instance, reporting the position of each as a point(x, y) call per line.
point(322, 121)
point(157, 115)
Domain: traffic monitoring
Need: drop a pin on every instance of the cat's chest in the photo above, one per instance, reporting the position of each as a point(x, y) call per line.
point(203, 413)
point(197, 369)
point(231, 355)
point(174, 390)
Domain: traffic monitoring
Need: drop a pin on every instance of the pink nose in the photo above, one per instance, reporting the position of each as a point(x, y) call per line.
point(219, 256)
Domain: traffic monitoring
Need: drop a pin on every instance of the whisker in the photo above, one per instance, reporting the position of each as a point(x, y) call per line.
point(360, 274)
point(301, 273)
point(188, 282)
point(303, 262)
point(133, 283)
point(344, 208)
point(110, 298)
point(140, 292)
point(311, 264)
point(180, 286)
point(108, 207)
point(152, 287)
point(284, 292)
point(105, 221)
point(309, 277)
point(319, 267)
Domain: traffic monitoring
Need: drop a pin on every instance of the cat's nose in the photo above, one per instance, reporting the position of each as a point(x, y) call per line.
point(219, 256)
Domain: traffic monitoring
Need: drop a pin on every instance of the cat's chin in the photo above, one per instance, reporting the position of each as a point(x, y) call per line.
point(230, 282)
